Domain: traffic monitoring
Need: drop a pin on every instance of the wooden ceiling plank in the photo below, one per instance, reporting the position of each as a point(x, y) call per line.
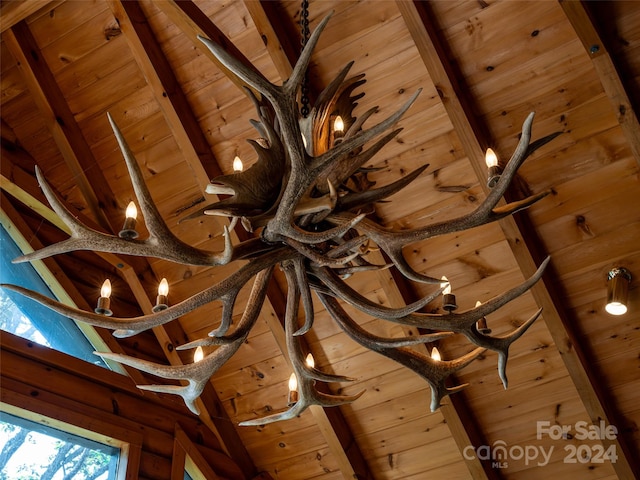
point(193, 22)
point(166, 89)
point(604, 66)
point(61, 122)
point(456, 413)
point(7, 133)
point(521, 236)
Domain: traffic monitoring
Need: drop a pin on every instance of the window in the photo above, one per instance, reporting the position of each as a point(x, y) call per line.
point(34, 451)
point(28, 319)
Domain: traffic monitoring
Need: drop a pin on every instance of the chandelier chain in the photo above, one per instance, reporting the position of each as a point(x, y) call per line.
point(304, 38)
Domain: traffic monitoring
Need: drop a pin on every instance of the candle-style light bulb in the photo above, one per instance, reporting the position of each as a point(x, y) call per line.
point(128, 231)
point(310, 361)
point(105, 290)
point(161, 299)
point(448, 298)
point(435, 354)
point(491, 160)
point(104, 302)
point(338, 129)
point(131, 211)
point(446, 285)
point(481, 324)
point(198, 355)
point(163, 288)
point(293, 389)
point(237, 164)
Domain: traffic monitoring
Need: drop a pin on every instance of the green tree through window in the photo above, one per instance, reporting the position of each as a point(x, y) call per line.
point(31, 451)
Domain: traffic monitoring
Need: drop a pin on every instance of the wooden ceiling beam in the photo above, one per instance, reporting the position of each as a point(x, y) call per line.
point(519, 232)
point(578, 15)
point(166, 89)
point(272, 33)
point(15, 11)
point(193, 22)
point(62, 125)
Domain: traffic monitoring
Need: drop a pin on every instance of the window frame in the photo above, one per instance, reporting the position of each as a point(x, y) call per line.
point(187, 458)
point(57, 289)
point(59, 417)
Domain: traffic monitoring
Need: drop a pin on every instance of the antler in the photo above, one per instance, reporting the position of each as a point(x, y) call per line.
point(392, 242)
point(160, 244)
point(197, 374)
point(125, 327)
point(433, 371)
point(306, 376)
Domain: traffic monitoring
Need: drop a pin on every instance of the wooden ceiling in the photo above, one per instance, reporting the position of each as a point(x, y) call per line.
point(482, 67)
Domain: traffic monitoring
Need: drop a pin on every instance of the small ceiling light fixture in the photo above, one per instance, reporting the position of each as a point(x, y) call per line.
point(618, 281)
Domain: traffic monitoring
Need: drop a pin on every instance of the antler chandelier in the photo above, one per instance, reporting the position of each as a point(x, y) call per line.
point(308, 196)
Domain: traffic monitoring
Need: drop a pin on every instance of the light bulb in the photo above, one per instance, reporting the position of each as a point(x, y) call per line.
point(161, 299)
point(293, 383)
point(616, 308)
point(131, 211)
point(128, 231)
point(292, 397)
point(435, 354)
point(491, 158)
point(493, 176)
point(198, 355)
point(163, 288)
point(237, 164)
point(618, 282)
point(105, 291)
point(310, 361)
point(481, 324)
point(446, 285)
point(338, 124)
point(104, 302)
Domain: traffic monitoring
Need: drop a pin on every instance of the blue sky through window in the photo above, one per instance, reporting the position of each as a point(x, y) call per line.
point(31, 320)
